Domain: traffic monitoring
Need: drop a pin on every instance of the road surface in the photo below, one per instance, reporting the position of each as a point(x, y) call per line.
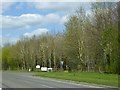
point(26, 80)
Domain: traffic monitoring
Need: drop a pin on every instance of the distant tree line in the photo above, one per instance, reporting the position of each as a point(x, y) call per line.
point(89, 43)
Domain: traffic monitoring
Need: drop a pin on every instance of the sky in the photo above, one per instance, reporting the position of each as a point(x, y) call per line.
point(20, 19)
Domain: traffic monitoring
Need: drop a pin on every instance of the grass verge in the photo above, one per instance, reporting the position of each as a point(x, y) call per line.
point(88, 77)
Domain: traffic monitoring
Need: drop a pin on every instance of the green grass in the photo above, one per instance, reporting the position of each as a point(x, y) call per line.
point(88, 77)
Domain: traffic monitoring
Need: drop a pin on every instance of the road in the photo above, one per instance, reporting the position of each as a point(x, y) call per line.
point(26, 80)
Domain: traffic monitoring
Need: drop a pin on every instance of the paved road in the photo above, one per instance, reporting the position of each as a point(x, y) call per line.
point(26, 80)
point(0, 79)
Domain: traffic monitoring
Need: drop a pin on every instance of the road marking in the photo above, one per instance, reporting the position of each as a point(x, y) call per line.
point(75, 84)
point(67, 82)
point(46, 86)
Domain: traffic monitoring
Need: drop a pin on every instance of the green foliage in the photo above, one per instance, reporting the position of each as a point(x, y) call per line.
point(8, 61)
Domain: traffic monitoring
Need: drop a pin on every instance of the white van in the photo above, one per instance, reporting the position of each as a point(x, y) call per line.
point(44, 69)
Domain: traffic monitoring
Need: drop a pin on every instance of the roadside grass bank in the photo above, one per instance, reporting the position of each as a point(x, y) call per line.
point(87, 77)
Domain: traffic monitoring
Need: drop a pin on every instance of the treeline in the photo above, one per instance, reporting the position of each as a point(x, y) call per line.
point(89, 43)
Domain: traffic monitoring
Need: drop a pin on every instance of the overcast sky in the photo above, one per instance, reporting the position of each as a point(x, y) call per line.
point(34, 18)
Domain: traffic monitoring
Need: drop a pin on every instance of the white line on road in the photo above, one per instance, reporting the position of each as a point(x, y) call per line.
point(67, 82)
point(46, 86)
